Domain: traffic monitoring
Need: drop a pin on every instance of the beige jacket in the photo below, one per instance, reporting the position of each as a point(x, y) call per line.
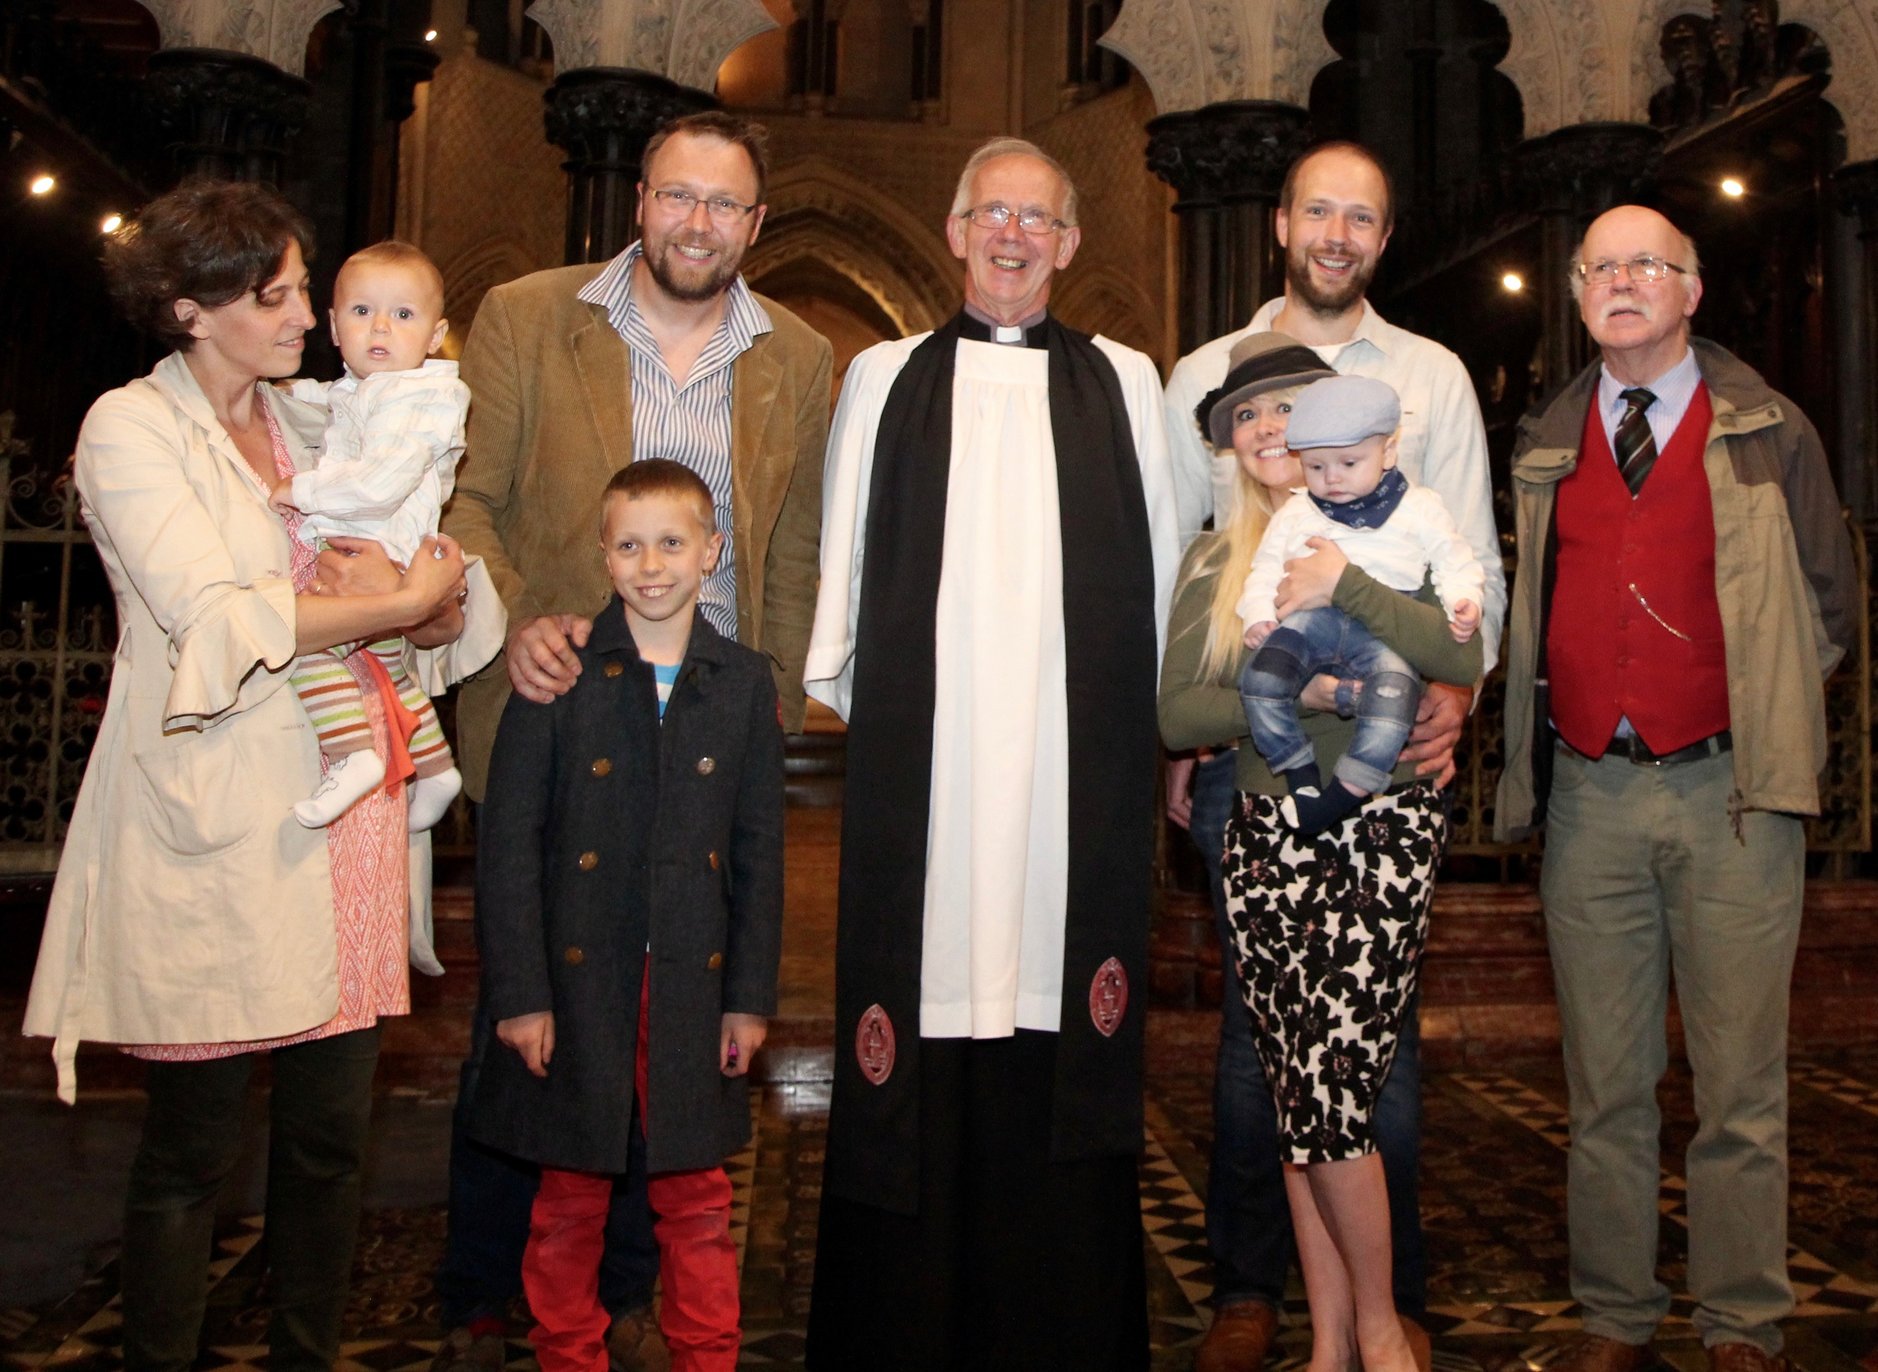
point(1785, 580)
point(190, 907)
point(551, 420)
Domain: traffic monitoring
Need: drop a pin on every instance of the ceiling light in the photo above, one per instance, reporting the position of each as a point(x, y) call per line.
point(1732, 188)
point(1513, 281)
point(41, 184)
point(112, 223)
point(430, 35)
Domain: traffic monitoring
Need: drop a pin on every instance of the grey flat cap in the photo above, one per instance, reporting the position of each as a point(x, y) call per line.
point(1341, 410)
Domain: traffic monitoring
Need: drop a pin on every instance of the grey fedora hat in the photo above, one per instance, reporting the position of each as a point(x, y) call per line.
point(1260, 362)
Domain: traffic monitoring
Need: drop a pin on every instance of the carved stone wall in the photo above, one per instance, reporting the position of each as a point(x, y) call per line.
point(825, 213)
point(1118, 283)
point(485, 194)
point(1849, 29)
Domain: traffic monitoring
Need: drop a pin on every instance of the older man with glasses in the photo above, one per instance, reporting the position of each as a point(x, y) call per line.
point(999, 548)
point(662, 352)
point(1686, 586)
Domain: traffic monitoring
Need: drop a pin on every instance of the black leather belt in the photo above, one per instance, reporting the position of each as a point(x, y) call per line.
point(1633, 747)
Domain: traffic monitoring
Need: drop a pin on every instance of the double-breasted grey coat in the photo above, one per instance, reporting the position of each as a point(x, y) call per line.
point(605, 835)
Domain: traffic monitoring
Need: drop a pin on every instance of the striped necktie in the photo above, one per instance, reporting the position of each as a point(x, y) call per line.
point(1633, 444)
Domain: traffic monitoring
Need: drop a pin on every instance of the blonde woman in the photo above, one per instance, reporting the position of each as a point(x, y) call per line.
point(1326, 932)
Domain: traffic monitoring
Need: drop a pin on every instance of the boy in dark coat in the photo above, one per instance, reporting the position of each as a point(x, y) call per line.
point(629, 912)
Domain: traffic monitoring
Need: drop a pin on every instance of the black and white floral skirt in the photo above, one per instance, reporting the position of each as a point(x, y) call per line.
point(1328, 933)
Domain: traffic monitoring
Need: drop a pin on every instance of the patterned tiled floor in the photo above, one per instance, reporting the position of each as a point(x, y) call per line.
point(1493, 1179)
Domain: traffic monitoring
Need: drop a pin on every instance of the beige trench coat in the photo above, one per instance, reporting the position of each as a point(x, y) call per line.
point(190, 907)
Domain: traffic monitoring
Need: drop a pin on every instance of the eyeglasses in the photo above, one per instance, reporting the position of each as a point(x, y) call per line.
point(1645, 268)
point(996, 216)
point(721, 208)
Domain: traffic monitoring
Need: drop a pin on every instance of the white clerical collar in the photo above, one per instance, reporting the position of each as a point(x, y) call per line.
point(1011, 335)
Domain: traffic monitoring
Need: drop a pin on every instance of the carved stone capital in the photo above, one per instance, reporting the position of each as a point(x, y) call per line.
point(1857, 186)
point(1230, 153)
point(274, 30)
point(1584, 169)
point(604, 116)
point(686, 40)
point(224, 113)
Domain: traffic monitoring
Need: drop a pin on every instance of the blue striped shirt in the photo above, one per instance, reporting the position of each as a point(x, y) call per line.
point(688, 422)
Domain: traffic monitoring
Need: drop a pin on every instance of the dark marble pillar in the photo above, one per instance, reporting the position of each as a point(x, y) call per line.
point(1855, 342)
point(604, 117)
point(1573, 175)
point(224, 114)
point(1228, 164)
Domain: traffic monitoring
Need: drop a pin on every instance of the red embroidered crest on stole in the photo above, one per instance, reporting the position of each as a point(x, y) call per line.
point(1108, 997)
point(873, 1045)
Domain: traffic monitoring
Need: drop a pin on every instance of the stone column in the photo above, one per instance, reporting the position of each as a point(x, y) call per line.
point(1574, 174)
point(604, 117)
point(225, 114)
point(1227, 162)
point(1854, 321)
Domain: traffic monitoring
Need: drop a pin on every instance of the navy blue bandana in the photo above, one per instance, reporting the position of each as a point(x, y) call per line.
point(1370, 511)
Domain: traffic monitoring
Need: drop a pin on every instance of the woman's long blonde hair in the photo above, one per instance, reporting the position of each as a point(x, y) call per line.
point(1239, 540)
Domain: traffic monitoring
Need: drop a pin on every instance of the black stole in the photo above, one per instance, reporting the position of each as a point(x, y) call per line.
point(1109, 633)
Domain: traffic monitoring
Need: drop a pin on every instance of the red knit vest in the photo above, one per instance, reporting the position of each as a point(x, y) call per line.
point(1634, 629)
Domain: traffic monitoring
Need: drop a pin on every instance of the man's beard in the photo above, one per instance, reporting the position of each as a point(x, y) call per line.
point(694, 289)
point(1319, 299)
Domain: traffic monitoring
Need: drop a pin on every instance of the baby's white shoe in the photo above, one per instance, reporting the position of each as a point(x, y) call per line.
point(431, 797)
point(350, 778)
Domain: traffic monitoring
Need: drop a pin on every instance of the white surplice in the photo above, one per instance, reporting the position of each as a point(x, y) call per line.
point(997, 868)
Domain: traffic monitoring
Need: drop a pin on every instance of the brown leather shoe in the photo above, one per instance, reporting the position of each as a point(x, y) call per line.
point(1240, 1337)
point(1744, 1357)
point(1421, 1347)
point(634, 1344)
point(1595, 1353)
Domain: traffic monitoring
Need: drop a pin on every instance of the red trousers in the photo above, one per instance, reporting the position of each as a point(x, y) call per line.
point(699, 1312)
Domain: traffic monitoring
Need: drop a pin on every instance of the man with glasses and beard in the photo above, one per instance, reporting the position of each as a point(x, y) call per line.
point(1334, 218)
point(575, 372)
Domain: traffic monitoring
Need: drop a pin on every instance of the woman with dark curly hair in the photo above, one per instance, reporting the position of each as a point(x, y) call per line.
point(1326, 930)
point(193, 921)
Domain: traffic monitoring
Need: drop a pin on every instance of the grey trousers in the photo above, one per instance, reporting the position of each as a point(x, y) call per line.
point(1645, 878)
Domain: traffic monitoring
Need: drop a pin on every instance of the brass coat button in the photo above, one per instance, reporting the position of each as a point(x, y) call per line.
point(714, 859)
point(589, 860)
point(716, 961)
point(573, 957)
point(615, 668)
point(601, 766)
point(706, 765)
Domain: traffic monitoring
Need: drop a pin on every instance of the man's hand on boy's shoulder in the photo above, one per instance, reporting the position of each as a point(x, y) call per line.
point(737, 1042)
point(541, 657)
point(533, 1037)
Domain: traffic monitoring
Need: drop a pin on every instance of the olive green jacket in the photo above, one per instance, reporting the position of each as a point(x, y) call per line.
point(1784, 576)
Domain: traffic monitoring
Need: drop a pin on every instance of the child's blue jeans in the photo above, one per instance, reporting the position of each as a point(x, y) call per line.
point(1328, 640)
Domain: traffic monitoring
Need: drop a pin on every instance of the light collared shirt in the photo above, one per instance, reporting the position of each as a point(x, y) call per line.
point(687, 421)
point(1674, 389)
point(1443, 444)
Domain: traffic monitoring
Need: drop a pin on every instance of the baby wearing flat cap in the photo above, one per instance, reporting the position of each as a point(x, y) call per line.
point(1344, 431)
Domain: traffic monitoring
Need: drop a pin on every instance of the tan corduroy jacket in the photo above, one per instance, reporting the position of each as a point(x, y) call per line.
point(550, 421)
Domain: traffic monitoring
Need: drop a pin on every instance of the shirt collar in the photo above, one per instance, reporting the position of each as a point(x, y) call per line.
point(1372, 331)
point(1673, 389)
point(612, 291)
